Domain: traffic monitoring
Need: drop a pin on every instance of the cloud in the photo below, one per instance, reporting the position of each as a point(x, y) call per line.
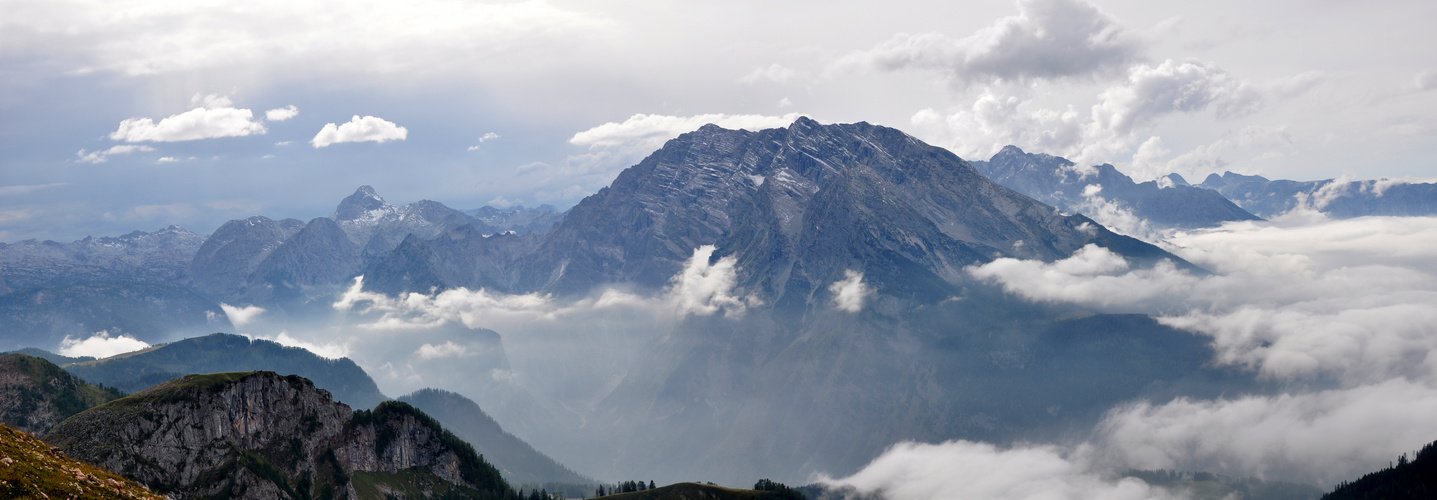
point(963, 469)
point(281, 114)
point(1048, 39)
point(1118, 122)
point(23, 189)
point(1322, 437)
point(216, 117)
point(167, 159)
point(104, 156)
point(100, 345)
point(298, 38)
point(700, 288)
point(448, 349)
point(326, 350)
point(366, 129)
point(240, 316)
point(167, 210)
point(483, 139)
point(649, 132)
point(850, 292)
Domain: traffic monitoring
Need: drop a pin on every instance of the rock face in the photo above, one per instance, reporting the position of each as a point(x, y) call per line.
point(1337, 199)
point(262, 435)
point(35, 394)
point(1058, 182)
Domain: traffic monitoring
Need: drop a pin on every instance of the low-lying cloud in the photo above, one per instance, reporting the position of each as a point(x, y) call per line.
point(850, 292)
point(100, 345)
point(241, 315)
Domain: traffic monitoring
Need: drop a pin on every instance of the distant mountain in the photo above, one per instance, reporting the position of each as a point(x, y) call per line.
point(44, 317)
point(519, 462)
point(156, 258)
point(697, 491)
point(1059, 182)
point(32, 469)
point(1410, 479)
point(35, 394)
point(262, 435)
point(518, 219)
point(1341, 200)
point(222, 352)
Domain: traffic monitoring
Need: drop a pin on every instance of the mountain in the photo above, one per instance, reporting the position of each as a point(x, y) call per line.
point(222, 265)
point(262, 435)
point(35, 394)
point(519, 462)
point(31, 468)
point(222, 352)
point(790, 381)
point(44, 317)
point(1337, 198)
point(518, 219)
point(155, 258)
point(783, 200)
point(1059, 182)
point(1409, 479)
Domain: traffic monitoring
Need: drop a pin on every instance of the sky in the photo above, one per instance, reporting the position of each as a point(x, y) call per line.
point(124, 115)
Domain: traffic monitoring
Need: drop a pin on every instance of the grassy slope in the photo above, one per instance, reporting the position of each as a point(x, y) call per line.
point(28, 384)
point(34, 470)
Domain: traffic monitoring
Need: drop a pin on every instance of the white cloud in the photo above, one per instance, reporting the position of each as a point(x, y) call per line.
point(483, 139)
point(700, 288)
point(649, 132)
point(962, 469)
point(366, 129)
point(167, 159)
point(100, 345)
point(448, 349)
point(281, 114)
point(784, 103)
point(216, 117)
point(327, 350)
point(240, 316)
point(850, 292)
point(104, 156)
point(1048, 39)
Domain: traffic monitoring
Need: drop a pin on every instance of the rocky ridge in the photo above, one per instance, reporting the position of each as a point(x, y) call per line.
point(262, 435)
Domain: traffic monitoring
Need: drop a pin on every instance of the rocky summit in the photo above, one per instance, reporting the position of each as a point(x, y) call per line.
point(262, 435)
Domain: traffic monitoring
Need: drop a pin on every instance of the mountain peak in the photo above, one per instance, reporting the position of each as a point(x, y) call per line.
point(1009, 150)
point(355, 205)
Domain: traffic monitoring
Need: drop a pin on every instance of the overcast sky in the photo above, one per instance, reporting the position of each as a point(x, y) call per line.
point(118, 115)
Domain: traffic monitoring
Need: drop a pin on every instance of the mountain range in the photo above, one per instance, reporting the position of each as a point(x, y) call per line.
point(1337, 198)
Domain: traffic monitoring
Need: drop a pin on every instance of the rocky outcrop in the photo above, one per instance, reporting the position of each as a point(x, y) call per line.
point(262, 435)
point(30, 468)
point(35, 394)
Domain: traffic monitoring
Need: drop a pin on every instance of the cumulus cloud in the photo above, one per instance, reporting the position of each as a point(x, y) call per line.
point(240, 316)
point(100, 345)
point(360, 129)
point(962, 469)
point(483, 139)
point(104, 156)
point(1119, 121)
point(1048, 39)
point(281, 114)
point(704, 289)
point(850, 292)
point(215, 117)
